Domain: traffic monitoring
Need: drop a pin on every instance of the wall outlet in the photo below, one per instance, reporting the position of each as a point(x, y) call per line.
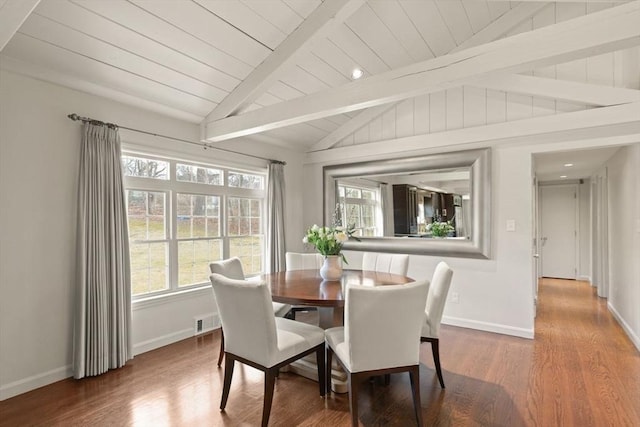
point(455, 297)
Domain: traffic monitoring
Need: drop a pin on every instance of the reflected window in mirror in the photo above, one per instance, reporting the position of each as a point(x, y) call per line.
point(360, 206)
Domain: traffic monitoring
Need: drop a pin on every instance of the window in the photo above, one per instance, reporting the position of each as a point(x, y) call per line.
point(245, 232)
point(145, 168)
point(361, 208)
point(202, 175)
point(148, 243)
point(198, 235)
point(243, 180)
point(183, 216)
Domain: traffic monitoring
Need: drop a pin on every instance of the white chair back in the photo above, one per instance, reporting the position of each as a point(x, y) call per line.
point(440, 284)
point(301, 261)
point(386, 263)
point(250, 332)
point(230, 268)
point(382, 325)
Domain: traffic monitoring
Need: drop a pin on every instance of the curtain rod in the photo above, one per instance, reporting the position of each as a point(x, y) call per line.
point(204, 145)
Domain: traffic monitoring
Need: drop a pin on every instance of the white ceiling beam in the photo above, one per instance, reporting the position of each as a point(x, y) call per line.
point(619, 120)
point(583, 93)
point(327, 15)
point(12, 14)
point(605, 31)
point(496, 29)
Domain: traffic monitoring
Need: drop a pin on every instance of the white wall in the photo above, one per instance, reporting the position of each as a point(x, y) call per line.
point(39, 154)
point(624, 239)
point(495, 294)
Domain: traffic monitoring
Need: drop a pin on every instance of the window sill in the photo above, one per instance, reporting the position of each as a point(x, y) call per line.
point(156, 300)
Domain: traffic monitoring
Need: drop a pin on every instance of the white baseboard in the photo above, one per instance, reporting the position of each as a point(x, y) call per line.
point(31, 383)
point(625, 326)
point(584, 278)
point(36, 381)
point(158, 342)
point(488, 327)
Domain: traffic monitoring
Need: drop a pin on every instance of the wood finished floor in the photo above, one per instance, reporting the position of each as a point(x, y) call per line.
point(581, 370)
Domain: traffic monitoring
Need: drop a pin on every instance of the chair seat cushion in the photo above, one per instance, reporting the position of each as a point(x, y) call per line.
point(335, 339)
point(280, 309)
point(294, 338)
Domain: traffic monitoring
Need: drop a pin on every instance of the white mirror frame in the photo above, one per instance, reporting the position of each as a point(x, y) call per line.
point(479, 243)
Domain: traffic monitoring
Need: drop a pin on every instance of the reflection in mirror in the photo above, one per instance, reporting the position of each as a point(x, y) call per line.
point(412, 203)
point(397, 205)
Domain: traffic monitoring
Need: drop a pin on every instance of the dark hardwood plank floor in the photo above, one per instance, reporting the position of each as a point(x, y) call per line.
point(581, 370)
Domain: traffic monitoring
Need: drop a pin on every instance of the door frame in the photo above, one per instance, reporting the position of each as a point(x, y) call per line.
point(535, 227)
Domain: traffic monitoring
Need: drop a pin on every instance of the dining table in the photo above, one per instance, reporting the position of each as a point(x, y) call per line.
point(308, 288)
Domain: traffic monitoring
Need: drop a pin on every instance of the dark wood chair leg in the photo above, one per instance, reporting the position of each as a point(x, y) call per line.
point(328, 361)
point(221, 355)
point(269, 385)
point(414, 376)
point(228, 374)
point(321, 362)
point(354, 382)
point(387, 379)
point(435, 349)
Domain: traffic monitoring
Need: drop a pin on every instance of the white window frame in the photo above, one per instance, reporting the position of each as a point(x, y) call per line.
point(172, 187)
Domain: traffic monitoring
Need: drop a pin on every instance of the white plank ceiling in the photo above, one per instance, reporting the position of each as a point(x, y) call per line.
point(185, 57)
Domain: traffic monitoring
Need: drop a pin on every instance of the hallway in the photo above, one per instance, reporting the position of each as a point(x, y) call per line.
point(584, 370)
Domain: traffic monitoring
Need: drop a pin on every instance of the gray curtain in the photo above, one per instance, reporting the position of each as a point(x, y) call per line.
point(275, 218)
point(102, 329)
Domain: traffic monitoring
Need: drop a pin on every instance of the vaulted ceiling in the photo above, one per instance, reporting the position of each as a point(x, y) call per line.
point(280, 70)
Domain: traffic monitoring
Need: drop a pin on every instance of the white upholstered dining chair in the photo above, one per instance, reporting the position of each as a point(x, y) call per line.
point(255, 337)
point(232, 269)
point(302, 261)
point(381, 335)
point(438, 291)
point(386, 263)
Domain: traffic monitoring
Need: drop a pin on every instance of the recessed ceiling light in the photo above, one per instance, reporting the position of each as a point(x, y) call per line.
point(563, 176)
point(568, 165)
point(356, 73)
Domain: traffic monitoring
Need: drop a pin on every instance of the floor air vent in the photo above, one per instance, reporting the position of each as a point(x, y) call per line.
point(205, 323)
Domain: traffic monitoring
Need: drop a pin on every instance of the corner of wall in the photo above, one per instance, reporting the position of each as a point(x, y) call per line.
point(635, 339)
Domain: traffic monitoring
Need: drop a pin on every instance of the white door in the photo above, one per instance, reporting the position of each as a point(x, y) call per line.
point(559, 233)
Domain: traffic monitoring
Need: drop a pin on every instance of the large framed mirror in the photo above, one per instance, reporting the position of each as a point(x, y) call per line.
point(427, 205)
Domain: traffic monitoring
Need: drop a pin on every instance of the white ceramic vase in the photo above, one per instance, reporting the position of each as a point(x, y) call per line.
point(331, 269)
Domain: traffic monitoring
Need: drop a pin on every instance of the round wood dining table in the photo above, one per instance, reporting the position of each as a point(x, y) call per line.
point(306, 287)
